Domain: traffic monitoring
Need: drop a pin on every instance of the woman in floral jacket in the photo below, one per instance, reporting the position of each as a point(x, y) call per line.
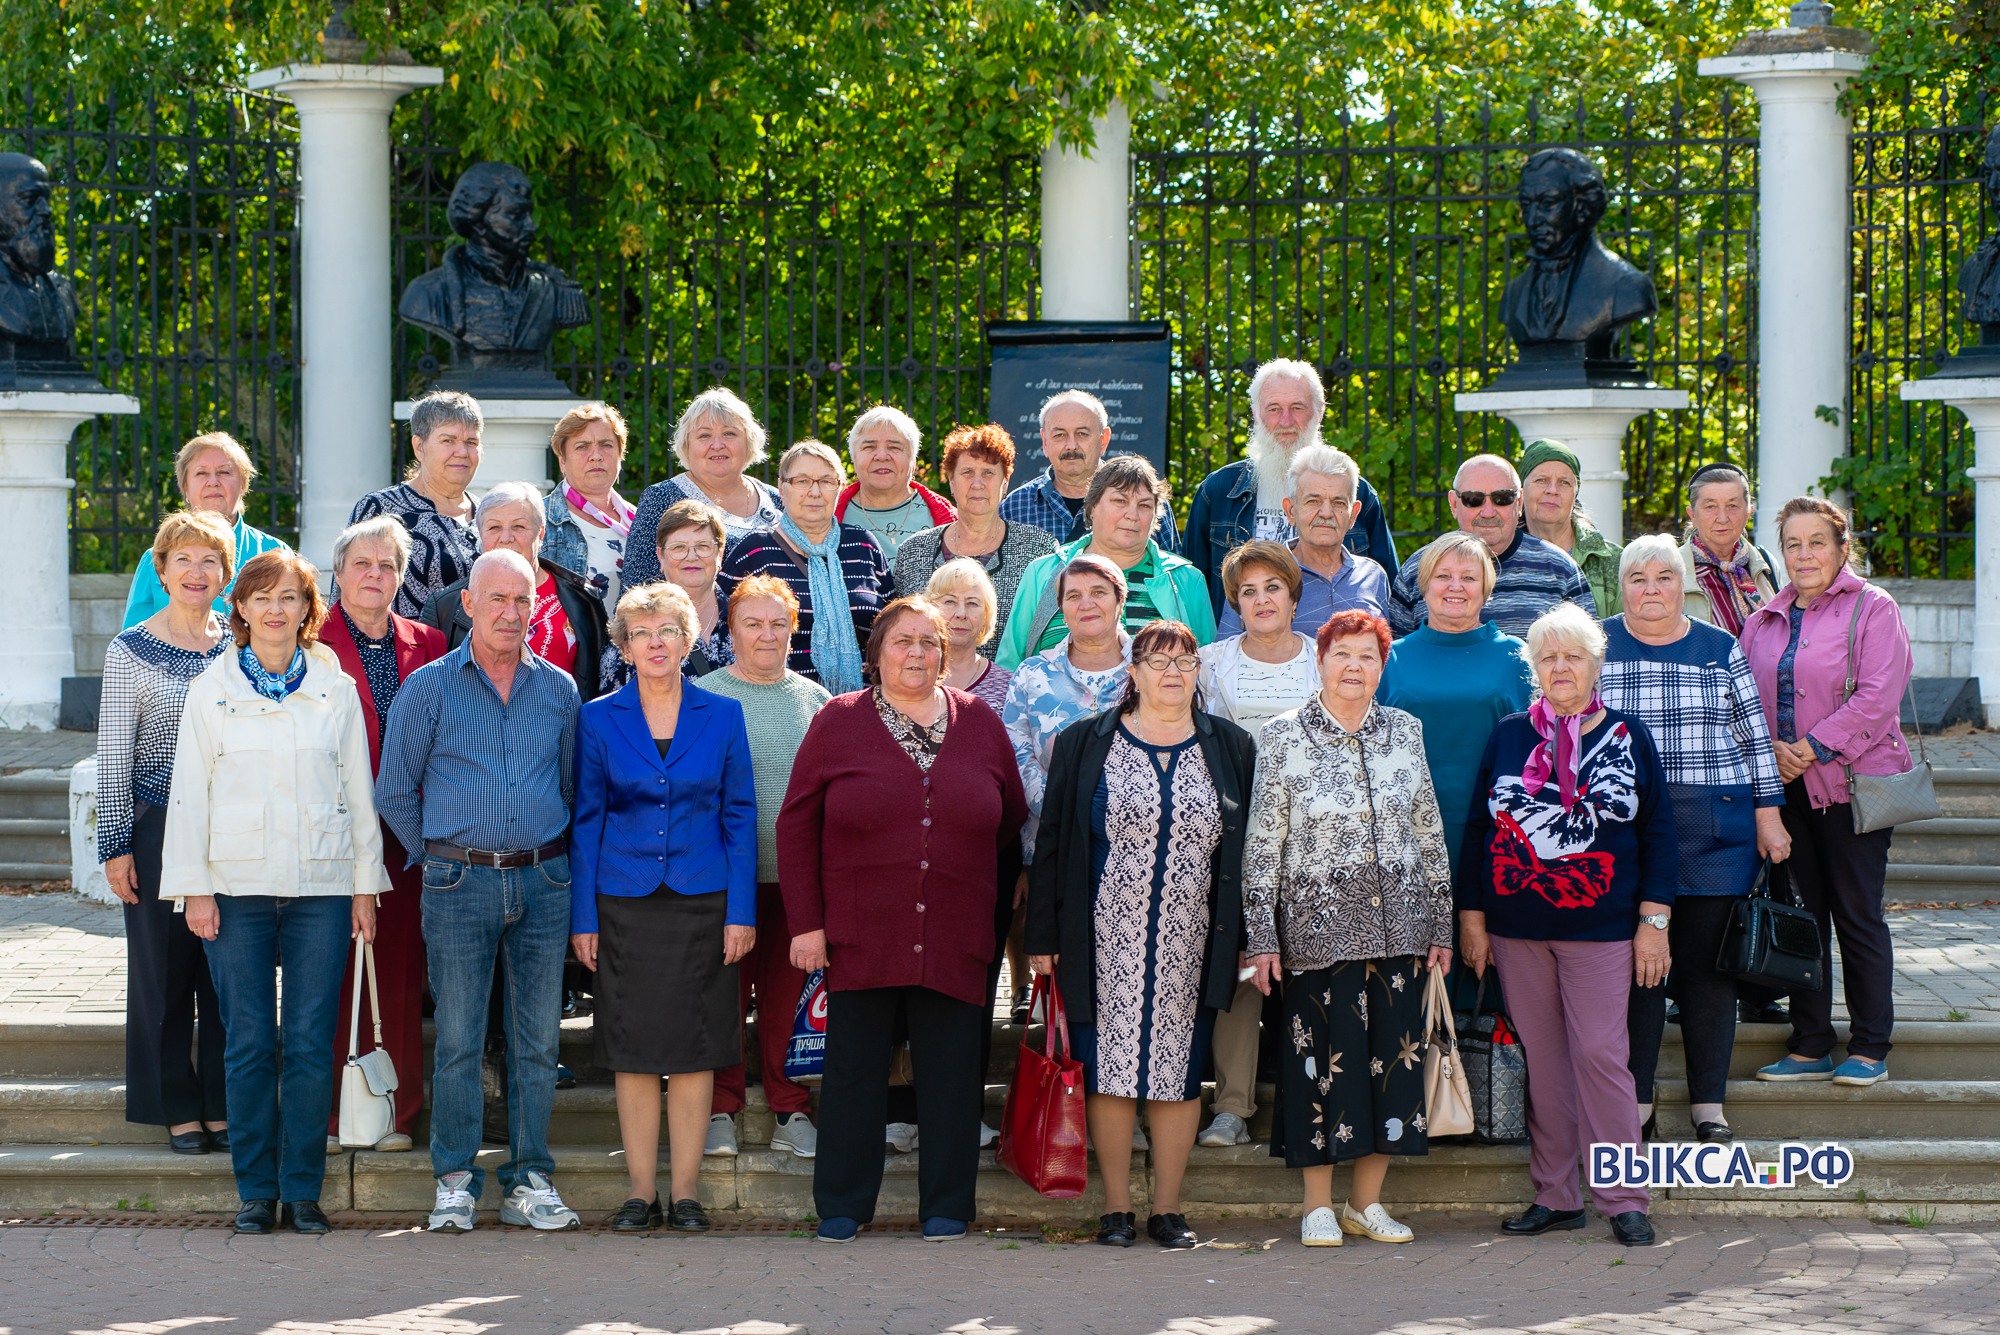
point(1347, 897)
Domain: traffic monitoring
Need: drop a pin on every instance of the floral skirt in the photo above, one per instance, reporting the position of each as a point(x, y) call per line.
point(1351, 1077)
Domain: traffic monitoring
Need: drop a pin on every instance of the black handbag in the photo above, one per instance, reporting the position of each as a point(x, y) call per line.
point(1771, 941)
point(1496, 1074)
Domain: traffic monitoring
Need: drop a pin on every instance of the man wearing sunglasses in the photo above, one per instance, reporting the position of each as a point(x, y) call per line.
point(1485, 499)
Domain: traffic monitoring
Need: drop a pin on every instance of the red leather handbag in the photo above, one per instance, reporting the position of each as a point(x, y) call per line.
point(1044, 1136)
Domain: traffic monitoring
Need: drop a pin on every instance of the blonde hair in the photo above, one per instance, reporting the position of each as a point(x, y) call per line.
point(576, 419)
point(386, 529)
point(959, 573)
point(723, 403)
point(194, 528)
point(214, 440)
point(647, 600)
point(1457, 544)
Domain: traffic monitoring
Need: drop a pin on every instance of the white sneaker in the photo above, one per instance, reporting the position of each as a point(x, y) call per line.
point(797, 1134)
point(900, 1137)
point(1321, 1228)
point(1226, 1129)
point(395, 1143)
point(533, 1203)
point(721, 1140)
point(1373, 1222)
point(987, 1136)
point(1139, 1141)
point(455, 1205)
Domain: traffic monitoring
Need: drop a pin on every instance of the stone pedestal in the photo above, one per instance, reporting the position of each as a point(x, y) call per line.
point(1590, 421)
point(1979, 400)
point(36, 648)
point(514, 443)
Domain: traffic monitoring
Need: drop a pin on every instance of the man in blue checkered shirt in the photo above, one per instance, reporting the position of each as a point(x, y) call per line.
point(1076, 431)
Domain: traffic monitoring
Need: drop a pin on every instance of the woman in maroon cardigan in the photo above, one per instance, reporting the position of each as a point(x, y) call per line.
point(901, 820)
point(379, 649)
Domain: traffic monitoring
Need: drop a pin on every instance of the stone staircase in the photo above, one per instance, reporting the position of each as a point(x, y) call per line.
point(34, 826)
point(1957, 856)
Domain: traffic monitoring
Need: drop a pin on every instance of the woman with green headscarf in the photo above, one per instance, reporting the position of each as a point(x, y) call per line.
point(1550, 476)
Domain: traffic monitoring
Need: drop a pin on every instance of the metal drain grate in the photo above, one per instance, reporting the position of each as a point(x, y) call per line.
point(415, 1222)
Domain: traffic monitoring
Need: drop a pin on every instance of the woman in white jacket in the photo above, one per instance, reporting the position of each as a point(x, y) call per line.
point(272, 841)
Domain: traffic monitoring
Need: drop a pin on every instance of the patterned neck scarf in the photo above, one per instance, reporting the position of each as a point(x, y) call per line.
point(1731, 588)
point(269, 685)
point(619, 520)
point(1561, 751)
point(835, 650)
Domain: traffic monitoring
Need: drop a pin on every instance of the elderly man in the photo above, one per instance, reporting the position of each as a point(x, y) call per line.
point(1244, 500)
point(37, 305)
point(213, 473)
point(1076, 431)
point(1534, 575)
point(885, 498)
point(477, 774)
point(1321, 505)
point(1551, 475)
point(569, 627)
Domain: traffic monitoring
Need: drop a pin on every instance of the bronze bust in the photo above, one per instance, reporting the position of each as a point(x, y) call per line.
point(497, 308)
point(1566, 308)
point(1979, 283)
point(37, 304)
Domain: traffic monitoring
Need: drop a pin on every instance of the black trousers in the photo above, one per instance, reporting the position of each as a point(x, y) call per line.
point(861, 1029)
point(1839, 877)
point(173, 1065)
point(902, 1098)
point(1707, 1000)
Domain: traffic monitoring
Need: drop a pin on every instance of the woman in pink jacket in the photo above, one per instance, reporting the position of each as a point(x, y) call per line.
point(1797, 645)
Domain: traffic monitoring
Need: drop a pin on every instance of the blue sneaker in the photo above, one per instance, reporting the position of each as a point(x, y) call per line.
point(1860, 1071)
point(1794, 1067)
point(838, 1230)
point(941, 1229)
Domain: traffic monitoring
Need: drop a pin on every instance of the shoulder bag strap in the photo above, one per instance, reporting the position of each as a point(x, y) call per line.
point(354, 1015)
point(1437, 1006)
point(374, 997)
point(1909, 689)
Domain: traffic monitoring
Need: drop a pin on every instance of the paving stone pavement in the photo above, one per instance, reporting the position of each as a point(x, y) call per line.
point(1770, 1276)
point(44, 750)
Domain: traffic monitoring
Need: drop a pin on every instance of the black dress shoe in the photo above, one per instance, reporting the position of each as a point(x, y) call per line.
point(1650, 1132)
point(1540, 1219)
point(1713, 1133)
point(687, 1217)
point(1117, 1230)
point(637, 1216)
point(1768, 1013)
point(257, 1217)
point(1171, 1231)
point(218, 1140)
point(306, 1217)
point(188, 1142)
point(1673, 1012)
point(1632, 1228)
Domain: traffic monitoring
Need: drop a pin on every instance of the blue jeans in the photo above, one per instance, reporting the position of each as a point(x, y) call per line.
point(277, 1118)
point(473, 916)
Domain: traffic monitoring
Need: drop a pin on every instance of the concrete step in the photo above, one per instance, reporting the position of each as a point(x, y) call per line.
point(1820, 1110)
point(1925, 883)
point(1954, 841)
point(34, 839)
point(35, 794)
point(33, 873)
point(1968, 792)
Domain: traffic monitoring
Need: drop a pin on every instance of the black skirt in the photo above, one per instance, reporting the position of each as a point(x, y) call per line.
point(1351, 1080)
point(666, 1003)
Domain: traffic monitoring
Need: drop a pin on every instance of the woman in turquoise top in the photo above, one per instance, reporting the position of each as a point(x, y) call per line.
point(213, 473)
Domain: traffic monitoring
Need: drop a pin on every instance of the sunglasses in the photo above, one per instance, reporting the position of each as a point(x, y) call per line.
point(1474, 500)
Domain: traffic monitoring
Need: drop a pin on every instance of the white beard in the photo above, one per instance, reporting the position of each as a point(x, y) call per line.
point(1270, 460)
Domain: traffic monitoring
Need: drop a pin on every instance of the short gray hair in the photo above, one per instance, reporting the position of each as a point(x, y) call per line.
point(1649, 549)
point(385, 529)
point(886, 414)
point(445, 407)
point(1081, 399)
point(1326, 461)
point(511, 493)
point(1566, 623)
point(810, 448)
point(723, 403)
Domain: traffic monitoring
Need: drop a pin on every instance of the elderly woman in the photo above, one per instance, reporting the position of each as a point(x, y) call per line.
point(716, 440)
point(900, 825)
point(1135, 906)
point(964, 592)
point(689, 543)
point(173, 1027)
point(279, 863)
point(885, 498)
point(214, 474)
point(1551, 474)
point(1121, 505)
point(778, 706)
point(662, 919)
point(836, 571)
point(1347, 900)
point(978, 461)
point(588, 521)
point(1826, 628)
point(431, 502)
point(378, 649)
point(1726, 577)
point(1569, 872)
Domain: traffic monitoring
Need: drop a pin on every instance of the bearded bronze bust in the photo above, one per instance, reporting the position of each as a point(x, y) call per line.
point(1979, 283)
point(497, 308)
point(37, 304)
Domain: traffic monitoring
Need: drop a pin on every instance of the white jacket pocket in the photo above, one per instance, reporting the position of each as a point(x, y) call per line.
point(236, 832)
point(329, 833)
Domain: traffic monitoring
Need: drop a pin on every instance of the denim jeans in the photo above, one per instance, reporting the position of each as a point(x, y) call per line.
point(473, 916)
point(277, 1117)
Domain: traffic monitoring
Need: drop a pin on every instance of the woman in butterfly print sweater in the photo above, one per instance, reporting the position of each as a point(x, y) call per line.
point(1566, 883)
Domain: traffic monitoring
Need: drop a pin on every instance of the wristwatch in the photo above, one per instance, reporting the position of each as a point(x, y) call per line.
point(1658, 920)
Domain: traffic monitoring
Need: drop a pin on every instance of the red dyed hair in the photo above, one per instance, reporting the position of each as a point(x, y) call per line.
point(1354, 621)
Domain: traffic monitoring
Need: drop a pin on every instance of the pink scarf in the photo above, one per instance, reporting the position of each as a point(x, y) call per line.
point(1561, 750)
point(622, 526)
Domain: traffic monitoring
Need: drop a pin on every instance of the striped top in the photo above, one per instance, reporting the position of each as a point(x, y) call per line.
point(145, 687)
point(863, 568)
point(1534, 577)
point(642, 557)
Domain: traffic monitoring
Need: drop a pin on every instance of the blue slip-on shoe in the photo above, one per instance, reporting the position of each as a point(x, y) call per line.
point(941, 1229)
point(838, 1230)
point(1795, 1067)
point(1860, 1071)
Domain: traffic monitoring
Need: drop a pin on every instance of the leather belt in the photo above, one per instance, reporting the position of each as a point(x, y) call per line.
point(479, 857)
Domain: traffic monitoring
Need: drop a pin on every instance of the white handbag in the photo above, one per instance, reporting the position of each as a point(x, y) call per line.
point(367, 1083)
point(1447, 1094)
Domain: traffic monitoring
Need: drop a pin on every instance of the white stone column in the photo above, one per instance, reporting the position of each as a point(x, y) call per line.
point(1803, 321)
point(346, 305)
point(1979, 399)
point(36, 648)
point(1086, 224)
point(1590, 421)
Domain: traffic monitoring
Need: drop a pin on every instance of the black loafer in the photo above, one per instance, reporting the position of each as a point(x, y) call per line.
point(1538, 1219)
point(687, 1217)
point(218, 1140)
point(1714, 1133)
point(257, 1217)
point(188, 1142)
point(306, 1217)
point(1650, 1132)
point(1769, 1013)
point(1170, 1231)
point(1117, 1230)
point(637, 1216)
point(1632, 1228)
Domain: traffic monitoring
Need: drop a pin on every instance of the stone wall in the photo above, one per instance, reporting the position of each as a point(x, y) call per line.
point(96, 613)
point(1939, 615)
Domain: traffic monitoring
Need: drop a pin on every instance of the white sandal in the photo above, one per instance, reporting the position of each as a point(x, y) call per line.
point(1321, 1228)
point(1373, 1222)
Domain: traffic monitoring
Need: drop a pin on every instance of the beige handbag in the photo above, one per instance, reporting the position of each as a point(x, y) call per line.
point(367, 1084)
point(1447, 1097)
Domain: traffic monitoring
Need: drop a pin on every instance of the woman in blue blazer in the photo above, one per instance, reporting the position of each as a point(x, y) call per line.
point(663, 894)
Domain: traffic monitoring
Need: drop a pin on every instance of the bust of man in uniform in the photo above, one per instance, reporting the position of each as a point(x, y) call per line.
point(37, 305)
point(498, 309)
point(1979, 280)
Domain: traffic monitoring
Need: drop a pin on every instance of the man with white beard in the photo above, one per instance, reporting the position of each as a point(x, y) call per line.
point(1244, 500)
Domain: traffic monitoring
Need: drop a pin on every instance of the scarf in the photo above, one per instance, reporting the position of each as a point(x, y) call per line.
point(269, 685)
point(835, 651)
point(1732, 590)
point(1561, 750)
point(621, 526)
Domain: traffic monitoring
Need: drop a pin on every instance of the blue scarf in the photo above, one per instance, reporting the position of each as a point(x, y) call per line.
point(836, 654)
point(267, 685)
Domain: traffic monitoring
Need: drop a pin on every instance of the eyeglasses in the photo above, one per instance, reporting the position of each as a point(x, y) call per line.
point(1161, 662)
point(681, 551)
point(812, 483)
point(660, 636)
point(1474, 500)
